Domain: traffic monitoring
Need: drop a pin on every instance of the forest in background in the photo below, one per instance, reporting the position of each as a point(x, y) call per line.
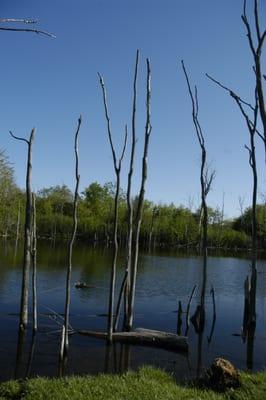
point(164, 225)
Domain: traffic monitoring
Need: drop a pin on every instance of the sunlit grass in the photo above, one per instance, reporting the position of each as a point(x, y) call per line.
point(146, 384)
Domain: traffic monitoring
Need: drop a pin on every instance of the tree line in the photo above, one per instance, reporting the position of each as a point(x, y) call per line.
point(163, 225)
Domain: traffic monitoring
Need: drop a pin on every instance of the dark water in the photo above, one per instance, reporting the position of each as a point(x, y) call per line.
point(163, 279)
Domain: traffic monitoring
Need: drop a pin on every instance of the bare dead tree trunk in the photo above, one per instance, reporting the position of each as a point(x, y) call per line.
point(252, 128)
point(64, 343)
point(34, 264)
point(23, 322)
point(206, 178)
point(117, 167)
point(129, 199)
point(148, 128)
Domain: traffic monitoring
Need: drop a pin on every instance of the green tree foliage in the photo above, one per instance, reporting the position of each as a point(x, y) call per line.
point(163, 224)
point(244, 223)
point(11, 198)
point(54, 209)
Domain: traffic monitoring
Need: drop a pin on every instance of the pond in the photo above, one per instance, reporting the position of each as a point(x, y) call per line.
point(163, 280)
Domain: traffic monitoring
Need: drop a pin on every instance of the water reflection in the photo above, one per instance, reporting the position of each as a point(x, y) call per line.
point(162, 280)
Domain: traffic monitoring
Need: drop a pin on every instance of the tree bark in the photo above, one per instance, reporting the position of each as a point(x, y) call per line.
point(24, 303)
point(34, 264)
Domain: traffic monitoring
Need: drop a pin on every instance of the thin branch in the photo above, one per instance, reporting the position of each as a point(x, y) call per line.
point(257, 20)
point(124, 148)
point(108, 120)
point(250, 155)
point(208, 179)
point(249, 35)
point(38, 31)
point(251, 125)
point(231, 92)
point(195, 107)
point(18, 20)
point(19, 138)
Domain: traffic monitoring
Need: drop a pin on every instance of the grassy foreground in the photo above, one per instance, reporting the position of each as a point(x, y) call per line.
point(146, 384)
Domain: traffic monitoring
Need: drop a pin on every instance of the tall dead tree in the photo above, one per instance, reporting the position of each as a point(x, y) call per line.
point(117, 167)
point(206, 179)
point(65, 344)
point(138, 217)
point(126, 282)
point(34, 263)
point(23, 321)
point(251, 123)
point(129, 199)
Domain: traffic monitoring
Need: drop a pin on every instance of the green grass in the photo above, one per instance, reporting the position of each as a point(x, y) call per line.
point(146, 384)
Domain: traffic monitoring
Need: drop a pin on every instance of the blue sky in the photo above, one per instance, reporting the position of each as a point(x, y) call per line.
point(47, 83)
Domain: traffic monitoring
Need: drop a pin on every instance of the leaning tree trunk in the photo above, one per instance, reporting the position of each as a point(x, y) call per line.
point(23, 321)
point(65, 344)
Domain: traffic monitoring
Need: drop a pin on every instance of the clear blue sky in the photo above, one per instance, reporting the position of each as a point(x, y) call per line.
point(47, 83)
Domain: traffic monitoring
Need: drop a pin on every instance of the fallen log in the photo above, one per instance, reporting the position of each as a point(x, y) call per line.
point(145, 337)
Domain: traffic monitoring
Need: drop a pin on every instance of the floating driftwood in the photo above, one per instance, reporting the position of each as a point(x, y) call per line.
point(145, 337)
point(83, 285)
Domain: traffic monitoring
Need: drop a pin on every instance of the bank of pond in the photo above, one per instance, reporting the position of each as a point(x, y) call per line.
point(146, 384)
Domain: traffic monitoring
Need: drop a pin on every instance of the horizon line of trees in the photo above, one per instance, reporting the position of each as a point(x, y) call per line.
point(164, 225)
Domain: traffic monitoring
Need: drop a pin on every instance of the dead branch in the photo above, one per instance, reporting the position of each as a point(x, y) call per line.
point(18, 20)
point(26, 22)
point(188, 309)
point(256, 50)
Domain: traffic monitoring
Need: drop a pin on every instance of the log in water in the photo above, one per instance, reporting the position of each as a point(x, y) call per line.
point(145, 337)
